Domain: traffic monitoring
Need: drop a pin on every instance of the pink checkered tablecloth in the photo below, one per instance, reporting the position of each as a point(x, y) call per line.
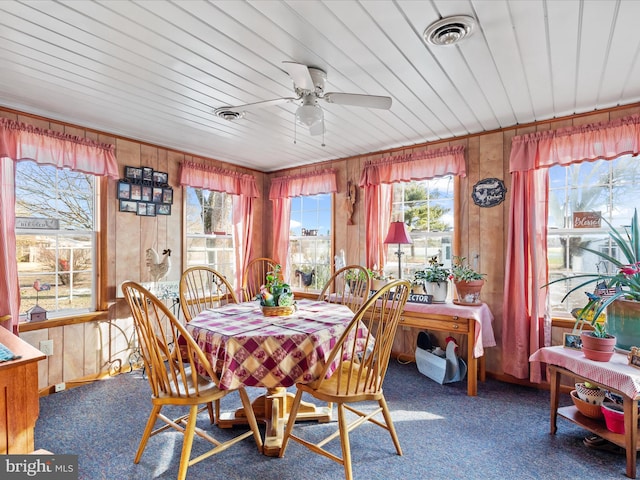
point(616, 373)
point(250, 349)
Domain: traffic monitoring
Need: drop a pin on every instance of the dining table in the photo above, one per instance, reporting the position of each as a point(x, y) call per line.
point(250, 349)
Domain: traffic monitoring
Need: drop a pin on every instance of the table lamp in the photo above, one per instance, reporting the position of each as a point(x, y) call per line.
point(399, 234)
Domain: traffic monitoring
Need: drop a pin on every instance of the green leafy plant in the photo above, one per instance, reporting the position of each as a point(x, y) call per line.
point(462, 272)
point(275, 292)
point(434, 272)
point(624, 284)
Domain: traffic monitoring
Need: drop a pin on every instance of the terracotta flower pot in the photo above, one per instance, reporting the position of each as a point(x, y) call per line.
point(597, 349)
point(469, 292)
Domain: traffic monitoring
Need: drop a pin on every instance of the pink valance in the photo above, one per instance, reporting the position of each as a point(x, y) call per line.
point(594, 141)
point(20, 141)
point(218, 179)
point(414, 166)
point(311, 183)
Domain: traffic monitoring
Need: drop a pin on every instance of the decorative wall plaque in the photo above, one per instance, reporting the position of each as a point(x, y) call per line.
point(488, 192)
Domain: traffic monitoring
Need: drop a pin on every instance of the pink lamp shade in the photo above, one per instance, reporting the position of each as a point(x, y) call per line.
point(398, 233)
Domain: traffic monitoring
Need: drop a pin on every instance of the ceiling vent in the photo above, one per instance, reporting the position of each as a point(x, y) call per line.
point(227, 114)
point(450, 30)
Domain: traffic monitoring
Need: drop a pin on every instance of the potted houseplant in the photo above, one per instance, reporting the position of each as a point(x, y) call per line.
point(617, 294)
point(378, 278)
point(434, 279)
point(468, 282)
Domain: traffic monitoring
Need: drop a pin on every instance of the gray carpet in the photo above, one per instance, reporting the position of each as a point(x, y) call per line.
point(502, 433)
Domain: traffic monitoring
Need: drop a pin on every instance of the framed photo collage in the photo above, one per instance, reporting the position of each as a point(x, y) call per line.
point(145, 192)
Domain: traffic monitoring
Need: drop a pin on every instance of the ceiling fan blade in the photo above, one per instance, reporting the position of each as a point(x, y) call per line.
point(300, 75)
point(357, 100)
point(254, 106)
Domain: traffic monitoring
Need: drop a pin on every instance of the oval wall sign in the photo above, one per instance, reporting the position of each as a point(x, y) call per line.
point(488, 192)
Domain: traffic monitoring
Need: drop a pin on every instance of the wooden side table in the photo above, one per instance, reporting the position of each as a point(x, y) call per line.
point(20, 401)
point(473, 322)
point(616, 376)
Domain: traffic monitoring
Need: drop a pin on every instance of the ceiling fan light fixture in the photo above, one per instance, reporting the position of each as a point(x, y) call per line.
point(309, 115)
point(449, 30)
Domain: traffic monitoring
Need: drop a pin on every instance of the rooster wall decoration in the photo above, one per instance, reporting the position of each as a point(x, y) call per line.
point(158, 268)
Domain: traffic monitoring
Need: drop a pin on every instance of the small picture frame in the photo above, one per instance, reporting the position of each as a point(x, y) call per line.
point(136, 192)
point(124, 190)
point(147, 193)
point(167, 195)
point(147, 174)
point(133, 173)
point(151, 209)
point(634, 357)
point(572, 340)
point(142, 209)
point(157, 194)
point(128, 206)
point(163, 209)
point(160, 178)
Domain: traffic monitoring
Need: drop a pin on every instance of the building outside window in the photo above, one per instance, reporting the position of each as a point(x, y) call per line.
point(310, 252)
point(55, 239)
point(209, 229)
point(608, 188)
point(426, 207)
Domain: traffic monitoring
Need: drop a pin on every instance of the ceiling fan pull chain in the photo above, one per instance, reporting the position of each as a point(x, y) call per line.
point(295, 130)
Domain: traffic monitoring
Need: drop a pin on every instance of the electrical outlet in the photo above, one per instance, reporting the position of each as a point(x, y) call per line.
point(60, 387)
point(46, 347)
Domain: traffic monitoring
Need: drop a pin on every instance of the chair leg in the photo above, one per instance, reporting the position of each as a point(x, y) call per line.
point(293, 413)
point(188, 442)
point(251, 417)
point(343, 425)
point(155, 411)
point(392, 430)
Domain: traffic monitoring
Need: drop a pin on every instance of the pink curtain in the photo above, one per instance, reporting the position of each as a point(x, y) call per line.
point(242, 233)
point(525, 324)
point(19, 141)
point(217, 179)
point(282, 189)
point(244, 189)
point(10, 298)
point(393, 169)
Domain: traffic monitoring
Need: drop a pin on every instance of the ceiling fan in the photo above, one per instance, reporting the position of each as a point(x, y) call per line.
point(308, 84)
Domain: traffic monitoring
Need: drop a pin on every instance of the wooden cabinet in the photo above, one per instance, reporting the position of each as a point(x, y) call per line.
point(19, 400)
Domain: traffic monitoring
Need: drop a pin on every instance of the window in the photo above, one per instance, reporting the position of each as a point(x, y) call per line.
point(426, 207)
point(209, 229)
point(607, 187)
point(55, 239)
point(310, 241)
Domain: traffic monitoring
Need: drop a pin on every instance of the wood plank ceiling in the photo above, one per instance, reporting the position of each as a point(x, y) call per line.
point(156, 70)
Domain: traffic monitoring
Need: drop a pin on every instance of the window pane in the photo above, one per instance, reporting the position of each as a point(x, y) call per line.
point(427, 208)
point(310, 241)
point(209, 226)
point(608, 187)
point(56, 264)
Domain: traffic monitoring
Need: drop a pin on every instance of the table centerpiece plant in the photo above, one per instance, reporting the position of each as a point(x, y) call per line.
point(617, 294)
point(467, 281)
point(434, 280)
point(276, 293)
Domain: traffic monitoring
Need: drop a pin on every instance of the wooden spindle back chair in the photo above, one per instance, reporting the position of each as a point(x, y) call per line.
point(348, 286)
point(202, 287)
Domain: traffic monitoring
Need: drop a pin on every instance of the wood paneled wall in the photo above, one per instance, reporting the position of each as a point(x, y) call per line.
point(87, 350)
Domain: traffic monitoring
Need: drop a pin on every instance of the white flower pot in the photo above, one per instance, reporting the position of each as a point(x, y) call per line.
point(438, 290)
